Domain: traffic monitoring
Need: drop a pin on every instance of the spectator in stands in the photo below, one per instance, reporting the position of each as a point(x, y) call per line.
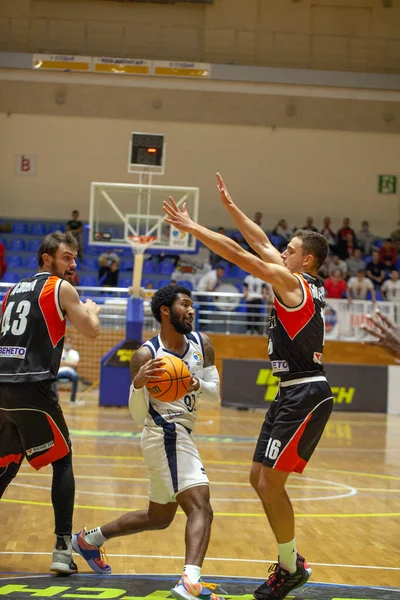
point(3, 264)
point(69, 362)
point(255, 291)
point(323, 272)
point(345, 248)
point(365, 239)
point(258, 218)
point(395, 236)
point(211, 280)
point(344, 231)
point(391, 287)
point(358, 287)
point(108, 268)
point(376, 270)
point(75, 226)
point(335, 285)
point(388, 254)
point(337, 263)
point(283, 229)
point(208, 283)
point(309, 226)
point(328, 233)
point(284, 232)
point(355, 263)
point(214, 258)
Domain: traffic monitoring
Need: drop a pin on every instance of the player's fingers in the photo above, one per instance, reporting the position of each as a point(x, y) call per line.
point(168, 208)
point(174, 204)
point(375, 322)
point(384, 318)
point(371, 331)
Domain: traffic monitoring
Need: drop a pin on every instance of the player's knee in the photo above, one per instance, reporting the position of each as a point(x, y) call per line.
point(160, 522)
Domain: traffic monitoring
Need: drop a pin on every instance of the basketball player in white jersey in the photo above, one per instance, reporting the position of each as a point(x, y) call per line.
point(177, 476)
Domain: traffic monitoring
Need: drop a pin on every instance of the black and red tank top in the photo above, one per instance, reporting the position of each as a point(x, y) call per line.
point(32, 330)
point(297, 334)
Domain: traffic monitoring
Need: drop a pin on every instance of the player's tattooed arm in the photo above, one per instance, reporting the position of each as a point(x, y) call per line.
point(209, 352)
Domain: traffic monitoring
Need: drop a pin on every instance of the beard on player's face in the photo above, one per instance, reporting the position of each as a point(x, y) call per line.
point(178, 323)
point(61, 271)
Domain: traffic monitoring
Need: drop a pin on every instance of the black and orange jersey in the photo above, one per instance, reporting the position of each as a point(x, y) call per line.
point(32, 330)
point(296, 335)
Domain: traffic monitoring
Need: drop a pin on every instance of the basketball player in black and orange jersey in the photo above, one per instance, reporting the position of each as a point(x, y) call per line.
point(297, 417)
point(32, 424)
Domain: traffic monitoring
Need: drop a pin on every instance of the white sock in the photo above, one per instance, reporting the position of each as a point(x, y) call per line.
point(193, 573)
point(95, 537)
point(288, 556)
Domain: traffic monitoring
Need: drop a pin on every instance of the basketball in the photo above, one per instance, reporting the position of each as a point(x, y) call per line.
point(173, 383)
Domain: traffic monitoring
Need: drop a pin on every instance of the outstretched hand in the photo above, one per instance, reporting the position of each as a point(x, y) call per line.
point(386, 332)
point(178, 217)
point(223, 191)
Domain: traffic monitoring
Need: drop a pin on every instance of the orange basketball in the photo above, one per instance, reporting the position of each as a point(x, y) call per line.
point(173, 383)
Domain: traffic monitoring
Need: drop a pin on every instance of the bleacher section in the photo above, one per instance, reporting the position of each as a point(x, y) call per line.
point(23, 240)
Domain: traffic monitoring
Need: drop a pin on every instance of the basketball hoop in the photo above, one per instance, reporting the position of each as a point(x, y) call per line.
point(139, 244)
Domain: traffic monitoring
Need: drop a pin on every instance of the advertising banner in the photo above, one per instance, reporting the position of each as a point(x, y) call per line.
point(359, 388)
point(343, 319)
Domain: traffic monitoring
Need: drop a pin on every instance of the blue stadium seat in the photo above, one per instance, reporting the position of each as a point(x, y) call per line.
point(90, 263)
point(4, 241)
point(10, 277)
point(34, 245)
point(32, 263)
point(238, 272)
point(166, 267)
point(14, 261)
point(126, 264)
point(56, 227)
point(146, 281)
point(88, 280)
point(38, 229)
point(125, 282)
point(186, 283)
point(162, 283)
point(148, 267)
point(20, 228)
point(16, 245)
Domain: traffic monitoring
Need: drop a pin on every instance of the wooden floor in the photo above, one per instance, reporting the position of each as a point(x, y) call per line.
point(347, 503)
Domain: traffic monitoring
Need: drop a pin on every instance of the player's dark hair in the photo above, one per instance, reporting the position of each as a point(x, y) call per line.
point(53, 241)
point(315, 244)
point(166, 296)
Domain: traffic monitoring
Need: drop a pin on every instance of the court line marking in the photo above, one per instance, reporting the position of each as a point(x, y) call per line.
point(248, 464)
point(350, 492)
point(217, 514)
point(220, 559)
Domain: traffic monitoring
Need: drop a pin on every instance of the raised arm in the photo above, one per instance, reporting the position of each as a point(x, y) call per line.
point(284, 282)
point(252, 233)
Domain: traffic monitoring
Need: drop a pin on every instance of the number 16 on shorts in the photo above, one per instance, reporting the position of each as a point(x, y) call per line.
point(273, 449)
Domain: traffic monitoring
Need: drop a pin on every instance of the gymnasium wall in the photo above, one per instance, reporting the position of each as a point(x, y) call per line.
point(282, 172)
point(358, 35)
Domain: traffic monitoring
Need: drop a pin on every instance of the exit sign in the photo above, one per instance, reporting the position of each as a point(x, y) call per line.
point(387, 184)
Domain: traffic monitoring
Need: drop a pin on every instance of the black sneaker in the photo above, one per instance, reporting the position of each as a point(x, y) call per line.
point(281, 582)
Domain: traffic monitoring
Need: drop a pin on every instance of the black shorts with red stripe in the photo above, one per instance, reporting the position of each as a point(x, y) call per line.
point(32, 425)
point(294, 424)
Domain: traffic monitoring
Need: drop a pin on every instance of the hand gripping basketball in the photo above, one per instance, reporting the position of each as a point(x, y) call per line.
point(173, 383)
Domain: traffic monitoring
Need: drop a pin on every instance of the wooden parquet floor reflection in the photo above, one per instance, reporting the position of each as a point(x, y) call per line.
point(347, 503)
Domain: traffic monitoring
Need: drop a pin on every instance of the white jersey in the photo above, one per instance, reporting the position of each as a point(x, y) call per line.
point(183, 410)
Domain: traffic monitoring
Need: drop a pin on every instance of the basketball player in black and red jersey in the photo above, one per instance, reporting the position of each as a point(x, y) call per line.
point(296, 419)
point(32, 424)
